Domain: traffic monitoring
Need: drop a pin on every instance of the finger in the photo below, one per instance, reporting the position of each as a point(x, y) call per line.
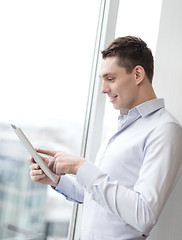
point(51, 164)
point(30, 159)
point(36, 172)
point(46, 151)
point(34, 166)
point(36, 178)
point(54, 168)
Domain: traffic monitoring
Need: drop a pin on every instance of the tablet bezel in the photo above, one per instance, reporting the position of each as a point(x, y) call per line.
point(26, 143)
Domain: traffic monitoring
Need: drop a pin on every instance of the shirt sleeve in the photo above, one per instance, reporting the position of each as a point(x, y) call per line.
point(69, 187)
point(140, 207)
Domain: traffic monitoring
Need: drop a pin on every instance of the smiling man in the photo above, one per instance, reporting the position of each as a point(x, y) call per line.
point(136, 169)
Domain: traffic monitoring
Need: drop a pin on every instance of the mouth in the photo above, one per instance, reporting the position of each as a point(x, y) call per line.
point(112, 99)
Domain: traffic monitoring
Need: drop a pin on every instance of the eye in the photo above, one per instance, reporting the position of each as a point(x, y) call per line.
point(110, 79)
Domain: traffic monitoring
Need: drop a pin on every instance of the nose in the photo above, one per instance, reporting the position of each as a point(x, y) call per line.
point(105, 87)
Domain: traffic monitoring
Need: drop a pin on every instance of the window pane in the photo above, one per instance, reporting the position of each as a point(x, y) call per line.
point(46, 50)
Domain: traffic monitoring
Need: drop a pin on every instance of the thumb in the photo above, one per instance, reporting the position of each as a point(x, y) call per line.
point(51, 164)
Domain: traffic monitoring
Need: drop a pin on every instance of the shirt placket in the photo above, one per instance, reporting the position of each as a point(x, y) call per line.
point(123, 122)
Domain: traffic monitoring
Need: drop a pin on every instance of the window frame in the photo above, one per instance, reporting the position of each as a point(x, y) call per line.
point(93, 125)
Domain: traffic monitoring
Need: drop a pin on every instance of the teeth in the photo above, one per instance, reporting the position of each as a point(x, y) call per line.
point(112, 98)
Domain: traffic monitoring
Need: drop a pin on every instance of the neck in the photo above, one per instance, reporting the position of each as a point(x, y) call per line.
point(145, 92)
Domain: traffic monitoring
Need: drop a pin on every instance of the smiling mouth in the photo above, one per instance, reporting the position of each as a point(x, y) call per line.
point(113, 98)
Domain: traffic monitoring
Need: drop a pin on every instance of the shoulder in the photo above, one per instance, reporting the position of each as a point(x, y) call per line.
point(167, 123)
point(165, 129)
point(163, 116)
point(163, 120)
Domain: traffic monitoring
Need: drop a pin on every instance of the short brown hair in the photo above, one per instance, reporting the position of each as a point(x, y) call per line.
point(131, 51)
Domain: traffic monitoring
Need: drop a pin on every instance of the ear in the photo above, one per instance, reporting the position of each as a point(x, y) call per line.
point(139, 74)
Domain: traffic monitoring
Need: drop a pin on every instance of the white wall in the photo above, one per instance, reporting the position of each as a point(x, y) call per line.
point(168, 69)
point(168, 84)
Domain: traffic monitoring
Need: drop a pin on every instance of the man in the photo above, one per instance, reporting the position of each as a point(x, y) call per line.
point(135, 171)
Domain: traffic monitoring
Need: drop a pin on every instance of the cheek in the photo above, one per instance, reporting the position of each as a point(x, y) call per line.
point(130, 85)
point(124, 88)
point(127, 91)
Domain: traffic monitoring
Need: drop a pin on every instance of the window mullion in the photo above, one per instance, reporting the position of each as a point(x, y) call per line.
point(96, 101)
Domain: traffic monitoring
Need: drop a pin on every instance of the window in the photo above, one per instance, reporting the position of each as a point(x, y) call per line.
point(46, 50)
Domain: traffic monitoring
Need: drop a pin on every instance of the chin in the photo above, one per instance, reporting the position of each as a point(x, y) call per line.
point(123, 110)
point(116, 107)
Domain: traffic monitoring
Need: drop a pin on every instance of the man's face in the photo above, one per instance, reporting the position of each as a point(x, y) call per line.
point(119, 85)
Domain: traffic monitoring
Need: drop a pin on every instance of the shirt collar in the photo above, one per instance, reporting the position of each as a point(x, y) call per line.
point(145, 108)
point(150, 106)
point(141, 110)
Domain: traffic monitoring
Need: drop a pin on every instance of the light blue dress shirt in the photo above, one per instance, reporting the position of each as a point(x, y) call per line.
point(136, 169)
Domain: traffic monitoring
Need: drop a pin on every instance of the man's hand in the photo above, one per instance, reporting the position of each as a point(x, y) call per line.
point(62, 163)
point(37, 175)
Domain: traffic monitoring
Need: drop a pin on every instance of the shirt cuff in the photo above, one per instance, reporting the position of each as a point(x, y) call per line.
point(63, 184)
point(88, 174)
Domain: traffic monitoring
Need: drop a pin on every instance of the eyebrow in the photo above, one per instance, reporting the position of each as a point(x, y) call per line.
point(106, 75)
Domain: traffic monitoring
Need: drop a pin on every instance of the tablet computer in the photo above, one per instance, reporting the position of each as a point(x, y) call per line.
point(33, 153)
